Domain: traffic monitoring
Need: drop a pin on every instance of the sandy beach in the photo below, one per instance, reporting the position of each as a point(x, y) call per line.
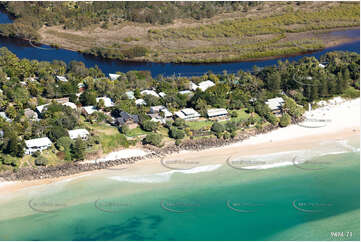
point(336, 120)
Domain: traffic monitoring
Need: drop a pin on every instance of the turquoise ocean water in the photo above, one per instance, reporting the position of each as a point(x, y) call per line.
point(311, 201)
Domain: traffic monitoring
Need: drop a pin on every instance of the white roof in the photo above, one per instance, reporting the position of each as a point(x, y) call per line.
point(78, 133)
point(321, 65)
point(275, 103)
point(107, 101)
point(205, 85)
point(157, 108)
point(89, 109)
point(40, 142)
point(4, 116)
point(186, 92)
point(140, 102)
point(70, 104)
point(216, 112)
point(149, 92)
point(113, 77)
point(180, 114)
point(202, 85)
point(187, 113)
point(62, 78)
point(166, 113)
point(130, 94)
point(162, 94)
point(41, 107)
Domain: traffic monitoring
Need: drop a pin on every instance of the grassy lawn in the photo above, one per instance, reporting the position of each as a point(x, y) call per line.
point(195, 125)
point(243, 115)
point(112, 142)
point(136, 132)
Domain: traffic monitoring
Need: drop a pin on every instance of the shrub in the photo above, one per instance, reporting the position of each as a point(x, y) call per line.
point(41, 161)
point(217, 127)
point(285, 120)
point(153, 139)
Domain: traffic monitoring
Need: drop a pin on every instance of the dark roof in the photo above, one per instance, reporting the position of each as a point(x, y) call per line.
point(125, 117)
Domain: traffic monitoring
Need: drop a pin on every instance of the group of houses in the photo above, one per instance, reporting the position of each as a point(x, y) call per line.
point(157, 113)
point(40, 144)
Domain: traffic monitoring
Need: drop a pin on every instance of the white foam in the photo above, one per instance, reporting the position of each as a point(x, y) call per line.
point(164, 176)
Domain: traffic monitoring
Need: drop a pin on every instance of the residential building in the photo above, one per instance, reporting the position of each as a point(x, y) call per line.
point(202, 85)
point(62, 100)
point(131, 120)
point(156, 109)
point(149, 92)
point(166, 113)
point(40, 144)
point(217, 113)
point(188, 114)
point(186, 92)
point(276, 104)
point(30, 114)
point(41, 108)
point(88, 110)
point(140, 102)
point(162, 94)
point(62, 78)
point(130, 94)
point(71, 105)
point(5, 117)
point(114, 77)
point(79, 133)
point(107, 101)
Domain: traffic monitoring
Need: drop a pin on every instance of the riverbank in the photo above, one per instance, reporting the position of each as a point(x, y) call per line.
point(344, 120)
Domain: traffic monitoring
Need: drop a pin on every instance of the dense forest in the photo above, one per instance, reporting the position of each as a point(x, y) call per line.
point(26, 84)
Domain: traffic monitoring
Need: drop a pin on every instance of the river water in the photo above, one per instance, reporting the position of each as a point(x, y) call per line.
point(24, 49)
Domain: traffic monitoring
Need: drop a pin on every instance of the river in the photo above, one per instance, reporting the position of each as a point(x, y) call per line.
point(24, 49)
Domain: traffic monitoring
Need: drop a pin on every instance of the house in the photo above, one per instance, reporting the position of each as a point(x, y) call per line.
point(33, 145)
point(78, 133)
point(217, 113)
point(30, 114)
point(276, 104)
point(321, 65)
point(162, 94)
point(88, 110)
point(188, 114)
point(5, 117)
point(62, 100)
point(61, 78)
point(202, 85)
point(156, 116)
point(140, 102)
point(31, 79)
point(149, 92)
point(41, 108)
point(130, 94)
point(81, 87)
point(166, 113)
point(113, 77)
point(156, 109)
point(186, 92)
point(71, 105)
point(107, 101)
point(131, 120)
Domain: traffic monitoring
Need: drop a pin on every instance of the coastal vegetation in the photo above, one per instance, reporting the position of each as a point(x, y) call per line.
point(27, 85)
point(190, 32)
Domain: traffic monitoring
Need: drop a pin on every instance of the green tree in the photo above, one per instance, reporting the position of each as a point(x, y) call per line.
point(153, 139)
point(285, 120)
point(78, 150)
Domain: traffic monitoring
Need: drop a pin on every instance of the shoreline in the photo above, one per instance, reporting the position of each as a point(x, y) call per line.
point(264, 143)
point(329, 44)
